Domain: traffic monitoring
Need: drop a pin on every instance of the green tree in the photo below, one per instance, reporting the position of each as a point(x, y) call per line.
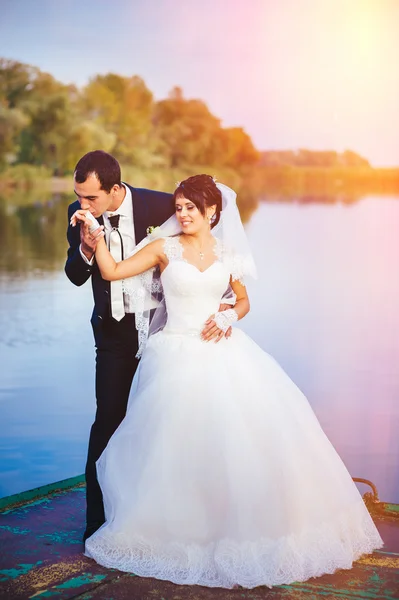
point(236, 149)
point(12, 122)
point(187, 130)
point(16, 81)
point(123, 107)
point(83, 137)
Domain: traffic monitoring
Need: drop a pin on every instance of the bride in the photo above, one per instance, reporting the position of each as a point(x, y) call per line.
point(220, 474)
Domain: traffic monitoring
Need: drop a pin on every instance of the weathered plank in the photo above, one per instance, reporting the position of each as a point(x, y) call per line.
point(42, 557)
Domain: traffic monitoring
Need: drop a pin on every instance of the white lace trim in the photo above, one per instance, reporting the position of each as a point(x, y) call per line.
point(218, 249)
point(225, 563)
point(174, 249)
point(142, 291)
point(237, 269)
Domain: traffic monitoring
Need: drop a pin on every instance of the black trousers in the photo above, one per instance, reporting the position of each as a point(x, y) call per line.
point(116, 347)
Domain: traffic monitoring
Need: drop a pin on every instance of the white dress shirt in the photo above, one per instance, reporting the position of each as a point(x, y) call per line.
point(126, 229)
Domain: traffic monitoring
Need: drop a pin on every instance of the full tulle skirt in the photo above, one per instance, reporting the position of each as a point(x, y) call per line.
point(220, 474)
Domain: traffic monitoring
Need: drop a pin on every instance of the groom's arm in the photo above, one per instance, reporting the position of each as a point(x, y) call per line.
point(76, 268)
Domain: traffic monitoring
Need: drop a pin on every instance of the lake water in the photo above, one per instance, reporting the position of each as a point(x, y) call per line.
point(325, 306)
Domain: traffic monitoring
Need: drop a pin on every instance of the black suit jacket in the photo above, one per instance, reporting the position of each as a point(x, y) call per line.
point(149, 208)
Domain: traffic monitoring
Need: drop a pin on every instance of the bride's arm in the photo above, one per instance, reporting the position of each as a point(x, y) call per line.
point(242, 303)
point(147, 257)
point(212, 329)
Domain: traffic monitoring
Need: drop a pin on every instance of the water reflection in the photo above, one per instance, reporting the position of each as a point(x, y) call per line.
point(33, 226)
point(324, 306)
point(32, 233)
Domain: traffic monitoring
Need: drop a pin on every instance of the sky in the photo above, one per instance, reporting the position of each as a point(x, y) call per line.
point(316, 74)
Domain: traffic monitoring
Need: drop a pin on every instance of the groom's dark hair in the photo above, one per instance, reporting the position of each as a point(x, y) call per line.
point(101, 164)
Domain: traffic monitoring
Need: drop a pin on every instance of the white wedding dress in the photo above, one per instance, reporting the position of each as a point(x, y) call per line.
point(220, 473)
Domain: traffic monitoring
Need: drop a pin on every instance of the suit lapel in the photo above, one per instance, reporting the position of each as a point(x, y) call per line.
point(140, 214)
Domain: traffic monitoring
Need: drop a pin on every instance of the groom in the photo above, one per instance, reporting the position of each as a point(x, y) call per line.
point(128, 212)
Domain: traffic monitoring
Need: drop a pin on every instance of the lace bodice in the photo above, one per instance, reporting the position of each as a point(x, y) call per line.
point(191, 296)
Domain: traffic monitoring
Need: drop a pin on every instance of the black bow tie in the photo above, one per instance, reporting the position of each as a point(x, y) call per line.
point(114, 220)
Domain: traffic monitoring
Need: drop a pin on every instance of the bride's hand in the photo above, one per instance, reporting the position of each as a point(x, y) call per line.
point(211, 331)
point(90, 231)
point(85, 217)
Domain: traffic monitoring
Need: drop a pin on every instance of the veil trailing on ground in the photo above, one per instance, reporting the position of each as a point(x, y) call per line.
point(145, 292)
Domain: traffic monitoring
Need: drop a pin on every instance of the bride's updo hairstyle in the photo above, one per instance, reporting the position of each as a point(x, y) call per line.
point(202, 191)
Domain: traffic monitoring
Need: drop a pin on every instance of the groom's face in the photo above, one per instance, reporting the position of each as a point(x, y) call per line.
point(92, 197)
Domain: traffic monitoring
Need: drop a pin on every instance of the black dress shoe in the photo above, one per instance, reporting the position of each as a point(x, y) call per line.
point(90, 529)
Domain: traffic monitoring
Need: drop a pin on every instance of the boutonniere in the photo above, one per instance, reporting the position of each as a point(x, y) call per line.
point(154, 231)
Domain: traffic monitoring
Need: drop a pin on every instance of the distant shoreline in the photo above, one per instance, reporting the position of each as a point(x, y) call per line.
point(280, 180)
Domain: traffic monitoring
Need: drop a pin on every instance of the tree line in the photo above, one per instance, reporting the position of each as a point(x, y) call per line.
point(45, 122)
point(312, 158)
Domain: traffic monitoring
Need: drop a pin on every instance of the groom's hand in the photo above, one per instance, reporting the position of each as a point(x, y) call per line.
point(211, 331)
point(88, 240)
point(88, 236)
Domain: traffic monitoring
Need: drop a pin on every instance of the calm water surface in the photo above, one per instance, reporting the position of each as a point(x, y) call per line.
point(325, 306)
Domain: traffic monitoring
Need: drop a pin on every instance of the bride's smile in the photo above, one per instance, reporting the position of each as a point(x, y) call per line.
point(189, 217)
